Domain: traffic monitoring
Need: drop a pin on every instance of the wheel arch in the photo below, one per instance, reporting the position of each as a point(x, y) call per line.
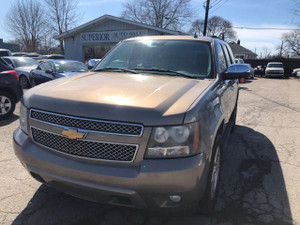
point(11, 92)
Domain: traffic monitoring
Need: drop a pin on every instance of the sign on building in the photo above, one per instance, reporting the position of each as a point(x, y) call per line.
point(111, 36)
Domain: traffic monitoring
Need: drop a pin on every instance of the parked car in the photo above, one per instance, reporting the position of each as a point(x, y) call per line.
point(5, 52)
point(32, 55)
point(10, 90)
point(92, 63)
point(53, 69)
point(19, 53)
point(23, 66)
point(47, 57)
point(238, 60)
point(295, 71)
point(259, 70)
point(241, 61)
point(145, 128)
point(274, 69)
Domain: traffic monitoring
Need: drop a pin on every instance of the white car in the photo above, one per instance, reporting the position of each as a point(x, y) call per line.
point(295, 71)
point(239, 61)
point(274, 69)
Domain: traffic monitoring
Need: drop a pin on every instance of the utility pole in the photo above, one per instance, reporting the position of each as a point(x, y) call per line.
point(206, 16)
point(280, 54)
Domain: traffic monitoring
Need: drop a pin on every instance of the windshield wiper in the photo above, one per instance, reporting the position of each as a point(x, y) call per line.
point(115, 68)
point(164, 71)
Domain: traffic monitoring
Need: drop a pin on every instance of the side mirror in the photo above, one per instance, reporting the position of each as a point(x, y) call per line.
point(237, 71)
point(49, 71)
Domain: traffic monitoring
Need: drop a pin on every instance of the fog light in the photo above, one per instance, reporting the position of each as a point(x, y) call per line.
point(175, 198)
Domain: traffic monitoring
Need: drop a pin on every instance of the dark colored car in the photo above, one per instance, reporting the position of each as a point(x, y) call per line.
point(53, 69)
point(10, 90)
point(259, 70)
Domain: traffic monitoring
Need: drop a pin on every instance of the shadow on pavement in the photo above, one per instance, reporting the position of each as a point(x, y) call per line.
point(252, 191)
point(11, 119)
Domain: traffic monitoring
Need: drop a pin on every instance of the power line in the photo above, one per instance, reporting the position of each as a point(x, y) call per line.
point(215, 3)
point(266, 28)
point(219, 6)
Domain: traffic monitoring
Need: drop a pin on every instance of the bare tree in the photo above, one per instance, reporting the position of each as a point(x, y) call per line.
point(266, 52)
point(296, 11)
point(167, 14)
point(216, 27)
point(25, 21)
point(62, 16)
point(291, 42)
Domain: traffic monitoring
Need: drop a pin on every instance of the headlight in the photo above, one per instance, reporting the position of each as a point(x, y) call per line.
point(23, 119)
point(173, 141)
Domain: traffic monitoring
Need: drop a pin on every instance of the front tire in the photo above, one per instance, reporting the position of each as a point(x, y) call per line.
point(7, 104)
point(24, 82)
point(213, 182)
point(33, 84)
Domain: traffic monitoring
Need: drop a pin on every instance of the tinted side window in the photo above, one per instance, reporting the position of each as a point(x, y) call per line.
point(47, 66)
point(226, 55)
point(221, 58)
point(5, 53)
point(230, 53)
point(41, 67)
point(3, 65)
point(8, 61)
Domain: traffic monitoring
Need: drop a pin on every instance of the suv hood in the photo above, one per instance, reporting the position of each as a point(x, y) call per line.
point(65, 74)
point(147, 99)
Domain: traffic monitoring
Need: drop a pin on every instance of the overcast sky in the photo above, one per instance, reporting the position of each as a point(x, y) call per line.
point(242, 13)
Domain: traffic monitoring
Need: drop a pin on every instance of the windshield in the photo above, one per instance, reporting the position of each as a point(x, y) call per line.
point(277, 65)
point(24, 62)
point(191, 58)
point(64, 67)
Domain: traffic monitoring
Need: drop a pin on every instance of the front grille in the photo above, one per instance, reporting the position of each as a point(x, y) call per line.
point(274, 71)
point(88, 124)
point(88, 149)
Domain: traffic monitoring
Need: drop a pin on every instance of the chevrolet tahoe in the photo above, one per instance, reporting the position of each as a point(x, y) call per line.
point(145, 128)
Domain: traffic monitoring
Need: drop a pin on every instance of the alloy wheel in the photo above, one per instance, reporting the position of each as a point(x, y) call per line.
point(23, 82)
point(5, 105)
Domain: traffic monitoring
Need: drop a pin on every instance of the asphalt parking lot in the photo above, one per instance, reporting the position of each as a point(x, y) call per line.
point(260, 173)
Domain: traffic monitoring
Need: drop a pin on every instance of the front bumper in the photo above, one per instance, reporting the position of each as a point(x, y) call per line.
point(274, 74)
point(148, 185)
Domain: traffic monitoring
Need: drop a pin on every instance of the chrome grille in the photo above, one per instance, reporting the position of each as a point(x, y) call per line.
point(88, 124)
point(87, 149)
point(274, 71)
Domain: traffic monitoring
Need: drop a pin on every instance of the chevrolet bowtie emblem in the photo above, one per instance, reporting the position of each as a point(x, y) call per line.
point(73, 134)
